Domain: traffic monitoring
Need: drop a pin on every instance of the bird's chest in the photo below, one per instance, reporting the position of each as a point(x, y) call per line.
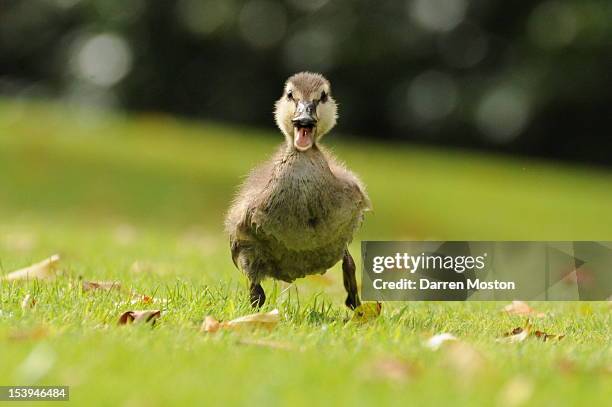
point(305, 207)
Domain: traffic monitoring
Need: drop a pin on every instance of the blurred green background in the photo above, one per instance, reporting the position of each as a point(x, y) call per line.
point(528, 78)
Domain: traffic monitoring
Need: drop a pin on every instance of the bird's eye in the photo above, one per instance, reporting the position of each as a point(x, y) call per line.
point(323, 98)
point(289, 95)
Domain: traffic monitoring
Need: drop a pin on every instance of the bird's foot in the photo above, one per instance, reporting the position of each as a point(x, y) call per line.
point(352, 301)
point(350, 282)
point(257, 295)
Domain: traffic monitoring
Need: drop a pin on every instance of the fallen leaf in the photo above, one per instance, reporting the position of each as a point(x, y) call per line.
point(267, 320)
point(210, 324)
point(547, 337)
point(101, 285)
point(436, 341)
point(521, 333)
point(136, 317)
point(517, 334)
point(521, 308)
point(391, 368)
point(367, 312)
point(146, 299)
point(28, 302)
point(45, 270)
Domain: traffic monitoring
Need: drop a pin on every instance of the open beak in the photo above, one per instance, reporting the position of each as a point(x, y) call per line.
point(304, 123)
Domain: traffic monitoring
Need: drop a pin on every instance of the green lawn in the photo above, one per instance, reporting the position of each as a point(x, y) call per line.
point(141, 200)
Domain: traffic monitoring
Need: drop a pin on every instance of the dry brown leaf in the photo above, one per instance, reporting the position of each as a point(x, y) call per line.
point(45, 270)
point(136, 317)
point(521, 308)
point(367, 311)
point(141, 298)
point(146, 299)
point(521, 333)
point(210, 324)
point(28, 302)
point(391, 368)
point(547, 337)
point(517, 334)
point(267, 320)
point(101, 285)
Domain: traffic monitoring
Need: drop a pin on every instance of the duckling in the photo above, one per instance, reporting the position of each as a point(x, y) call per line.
point(296, 214)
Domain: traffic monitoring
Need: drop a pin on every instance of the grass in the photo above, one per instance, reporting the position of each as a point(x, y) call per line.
point(141, 200)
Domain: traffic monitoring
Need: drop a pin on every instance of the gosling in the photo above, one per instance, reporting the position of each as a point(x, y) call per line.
point(296, 214)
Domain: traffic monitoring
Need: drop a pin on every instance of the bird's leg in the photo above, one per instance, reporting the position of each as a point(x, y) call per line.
point(256, 295)
point(350, 282)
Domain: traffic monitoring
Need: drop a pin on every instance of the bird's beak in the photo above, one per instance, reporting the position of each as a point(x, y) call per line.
point(304, 122)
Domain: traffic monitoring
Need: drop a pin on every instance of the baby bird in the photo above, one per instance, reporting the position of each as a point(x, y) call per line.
point(296, 214)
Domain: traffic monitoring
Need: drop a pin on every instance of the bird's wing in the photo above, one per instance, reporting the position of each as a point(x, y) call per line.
point(239, 222)
point(243, 230)
point(345, 175)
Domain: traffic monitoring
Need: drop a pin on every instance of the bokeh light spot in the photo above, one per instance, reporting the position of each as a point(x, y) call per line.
point(503, 113)
point(204, 16)
point(552, 25)
point(103, 59)
point(432, 96)
point(437, 15)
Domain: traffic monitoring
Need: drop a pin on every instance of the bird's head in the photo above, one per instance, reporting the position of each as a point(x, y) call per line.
point(306, 111)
